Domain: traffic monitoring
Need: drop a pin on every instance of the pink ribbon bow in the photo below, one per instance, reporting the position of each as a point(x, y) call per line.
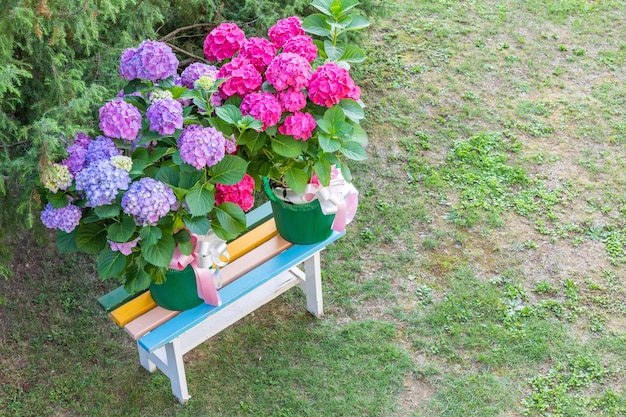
point(208, 249)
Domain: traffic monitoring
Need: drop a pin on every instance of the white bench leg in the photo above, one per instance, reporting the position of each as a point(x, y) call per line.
point(176, 371)
point(144, 359)
point(313, 285)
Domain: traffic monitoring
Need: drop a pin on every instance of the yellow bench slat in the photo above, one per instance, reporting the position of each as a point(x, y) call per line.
point(236, 249)
point(133, 309)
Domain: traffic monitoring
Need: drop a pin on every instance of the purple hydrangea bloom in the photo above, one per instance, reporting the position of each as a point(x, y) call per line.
point(201, 146)
point(101, 148)
point(128, 68)
point(165, 116)
point(82, 139)
point(149, 61)
point(119, 119)
point(195, 71)
point(101, 182)
point(65, 218)
point(76, 159)
point(147, 200)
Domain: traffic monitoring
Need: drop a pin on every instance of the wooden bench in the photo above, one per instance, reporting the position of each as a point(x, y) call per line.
point(262, 266)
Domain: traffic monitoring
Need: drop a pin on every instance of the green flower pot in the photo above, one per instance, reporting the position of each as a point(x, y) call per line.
point(178, 292)
point(303, 224)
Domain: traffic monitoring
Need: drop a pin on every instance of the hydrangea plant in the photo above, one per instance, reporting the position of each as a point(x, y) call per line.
point(289, 100)
point(156, 173)
point(179, 153)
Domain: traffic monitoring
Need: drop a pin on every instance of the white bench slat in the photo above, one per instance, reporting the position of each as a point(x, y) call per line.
point(187, 320)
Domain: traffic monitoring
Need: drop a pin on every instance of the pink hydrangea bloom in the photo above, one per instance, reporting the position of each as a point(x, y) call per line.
point(302, 45)
point(299, 125)
point(241, 78)
point(259, 51)
point(284, 30)
point(241, 193)
point(291, 100)
point(288, 70)
point(119, 119)
point(262, 106)
point(223, 42)
point(330, 84)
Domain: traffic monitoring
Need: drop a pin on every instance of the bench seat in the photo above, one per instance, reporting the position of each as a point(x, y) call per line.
point(263, 266)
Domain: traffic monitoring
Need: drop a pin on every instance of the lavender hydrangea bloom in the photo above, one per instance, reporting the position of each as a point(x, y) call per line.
point(101, 148)
point(147, 200)
point(119, 119)
point(150, 61)
point(65, 218)
point(101, 182)
point(76, 159)
point(165, 116)
point(128, 68)
point(82, 139)
point(201, 146)
point(195, 71)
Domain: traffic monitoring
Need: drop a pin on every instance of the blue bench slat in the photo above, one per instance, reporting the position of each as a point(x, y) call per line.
point(243, 285)
point(258, 215)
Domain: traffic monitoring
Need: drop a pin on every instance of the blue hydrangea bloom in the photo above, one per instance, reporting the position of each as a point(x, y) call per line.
point(65, 218)
point(101, 182)
point(147, 200)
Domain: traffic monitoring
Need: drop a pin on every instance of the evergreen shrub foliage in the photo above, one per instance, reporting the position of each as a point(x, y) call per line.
point(59, 62)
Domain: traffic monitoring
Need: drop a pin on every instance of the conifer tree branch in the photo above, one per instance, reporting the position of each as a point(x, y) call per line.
point(182, 51)
point(174, 32)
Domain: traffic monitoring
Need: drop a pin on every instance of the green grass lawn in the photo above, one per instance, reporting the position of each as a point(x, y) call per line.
point(484, 274)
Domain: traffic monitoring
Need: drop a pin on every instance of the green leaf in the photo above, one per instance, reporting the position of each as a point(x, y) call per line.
point(353, 150)
point(328, 143)
point(198, 225)
point(253, 140)
point(358, 22)
point(345, 171)
point(316, 24)
point(58, 199)
point(249, 122)
point(322, 5)
point(161, 253)
point(352, 109)
point(200, 200)
point(136, 279)
point(137, 101)
point(122, 232)
point(66, 242)
point(110, 263)
point(107, 212)
point(190, 178)
point(191, 93)
point(186, 247)
point(296, 179)
point(150, 235)
point(352, 54)
point(91, 238)
point(230, 170)
point(333, 52)
point(287, 146)
point(229, 113)
point(334, 115)
point(168, 175)
point(231, 217)
point(359, 135)
point(323, 170)
point(346, 5)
